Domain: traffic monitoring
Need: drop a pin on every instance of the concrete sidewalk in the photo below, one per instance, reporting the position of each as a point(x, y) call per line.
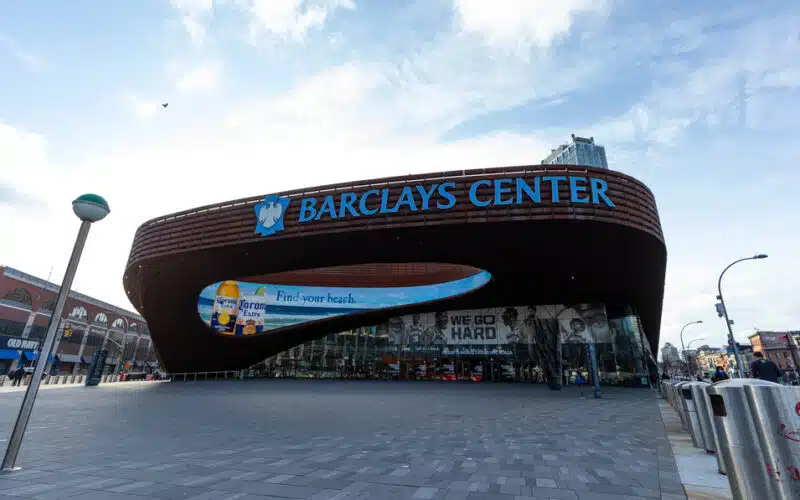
point(339, 440)
point(697, 469)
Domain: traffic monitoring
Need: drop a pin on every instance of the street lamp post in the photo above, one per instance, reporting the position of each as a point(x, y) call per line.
point(89, 208)
point(683, 347)
point(689, 346)
point(731, 340)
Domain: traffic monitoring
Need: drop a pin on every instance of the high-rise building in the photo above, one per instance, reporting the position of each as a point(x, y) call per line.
point(581, 151)
point(669, 353)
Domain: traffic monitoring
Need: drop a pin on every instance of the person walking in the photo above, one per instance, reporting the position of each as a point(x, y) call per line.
point(764, 369)
point(17, 377)
point(719, 374)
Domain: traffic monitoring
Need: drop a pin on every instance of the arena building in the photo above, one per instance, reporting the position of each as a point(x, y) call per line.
point(492, 274)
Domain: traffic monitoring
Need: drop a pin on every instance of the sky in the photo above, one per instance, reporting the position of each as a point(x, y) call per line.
point(699, 100)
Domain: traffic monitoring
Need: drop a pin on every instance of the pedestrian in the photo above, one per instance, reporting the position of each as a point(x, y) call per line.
point(18, 373)
point(719, 374)
point(764, 369)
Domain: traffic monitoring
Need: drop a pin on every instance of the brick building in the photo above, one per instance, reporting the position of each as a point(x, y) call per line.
point(26, 305)
point(780, 347)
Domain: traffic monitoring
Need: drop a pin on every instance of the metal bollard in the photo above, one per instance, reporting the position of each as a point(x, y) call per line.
point(776, 414)
point(737, 438)
point(692, 419)
point(704, 416)
point(679, 404)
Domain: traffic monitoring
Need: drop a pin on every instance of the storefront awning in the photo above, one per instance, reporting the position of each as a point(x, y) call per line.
point(69, 358)
point(33, 356)
point(9, 354)
point(87, 359)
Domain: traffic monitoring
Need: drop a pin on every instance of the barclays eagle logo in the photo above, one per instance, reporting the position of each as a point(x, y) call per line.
point(269, 215)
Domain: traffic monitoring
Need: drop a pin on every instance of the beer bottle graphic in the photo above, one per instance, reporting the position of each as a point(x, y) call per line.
point(226, 308)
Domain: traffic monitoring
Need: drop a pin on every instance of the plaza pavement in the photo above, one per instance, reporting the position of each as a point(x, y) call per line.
point(328, 439)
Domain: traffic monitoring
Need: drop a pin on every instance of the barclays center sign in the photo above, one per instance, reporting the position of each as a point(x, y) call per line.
point(435, 196)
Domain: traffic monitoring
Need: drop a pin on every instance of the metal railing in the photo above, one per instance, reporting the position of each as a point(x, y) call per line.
point(191, 377)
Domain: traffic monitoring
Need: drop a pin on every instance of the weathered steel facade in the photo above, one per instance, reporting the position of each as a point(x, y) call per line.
point(538, 253)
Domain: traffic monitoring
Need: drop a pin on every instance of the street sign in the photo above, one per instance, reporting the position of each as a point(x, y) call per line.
point(96, 367)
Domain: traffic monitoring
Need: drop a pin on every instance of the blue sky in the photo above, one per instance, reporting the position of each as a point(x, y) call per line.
point(699, 100)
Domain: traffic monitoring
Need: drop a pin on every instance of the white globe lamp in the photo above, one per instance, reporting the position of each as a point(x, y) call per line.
point(90, 207)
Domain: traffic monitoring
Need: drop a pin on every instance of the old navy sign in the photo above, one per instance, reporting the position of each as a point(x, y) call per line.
point(18, 343)
point(436, 196)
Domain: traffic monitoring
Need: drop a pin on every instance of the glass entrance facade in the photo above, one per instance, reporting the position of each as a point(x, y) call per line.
point(534, 344)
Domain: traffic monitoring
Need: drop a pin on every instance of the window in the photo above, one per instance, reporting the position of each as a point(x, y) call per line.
point(20, 296)
point(12, 328)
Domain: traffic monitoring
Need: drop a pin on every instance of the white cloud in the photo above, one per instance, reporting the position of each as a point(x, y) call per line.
point(194, 14)
point(197, 31)
point(519, 24)
point(28, 59)
point(290, 19)
point(143, 108)
point(203, 77)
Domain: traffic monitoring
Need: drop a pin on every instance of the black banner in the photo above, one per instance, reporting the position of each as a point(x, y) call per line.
point(96, 367)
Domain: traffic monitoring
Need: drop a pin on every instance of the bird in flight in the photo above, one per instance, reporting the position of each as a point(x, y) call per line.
point(165, 105)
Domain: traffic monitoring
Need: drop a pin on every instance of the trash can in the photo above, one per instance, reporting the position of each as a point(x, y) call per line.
point(692, 419)
point(704, 418)
point(776, 414)
point(679, 404)
point(668, 390)
point(737, 438)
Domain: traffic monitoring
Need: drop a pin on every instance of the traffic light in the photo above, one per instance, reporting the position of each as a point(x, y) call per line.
point(67, 331)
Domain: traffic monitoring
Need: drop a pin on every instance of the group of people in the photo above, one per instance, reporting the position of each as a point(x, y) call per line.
point(760, 368)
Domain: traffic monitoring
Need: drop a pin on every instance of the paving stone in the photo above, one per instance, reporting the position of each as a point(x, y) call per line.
point(338, 440)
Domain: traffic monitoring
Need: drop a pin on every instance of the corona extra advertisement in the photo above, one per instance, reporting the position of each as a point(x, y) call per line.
point(241, 308)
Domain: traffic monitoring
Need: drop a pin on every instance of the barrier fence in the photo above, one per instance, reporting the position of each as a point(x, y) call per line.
point(751, 426)
point(190, 377)
point(6, 381)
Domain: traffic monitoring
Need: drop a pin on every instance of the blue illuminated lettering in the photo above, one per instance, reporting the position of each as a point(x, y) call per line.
point(444, 192)
point(426, 195)
point(385, 202)
point(362, 203)
point(575, 190)
point(473, 193)
point(599, 188)
point(406, 198)
point(328, 206)
point(346, 205)
point(554, 180)
point(307, 210)
point(533, 193)
point(500, 190)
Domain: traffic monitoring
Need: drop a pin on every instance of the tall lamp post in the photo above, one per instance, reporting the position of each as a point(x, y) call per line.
point(683, 347)
point(724, 311)
point(89, 208)
point(690, 346)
